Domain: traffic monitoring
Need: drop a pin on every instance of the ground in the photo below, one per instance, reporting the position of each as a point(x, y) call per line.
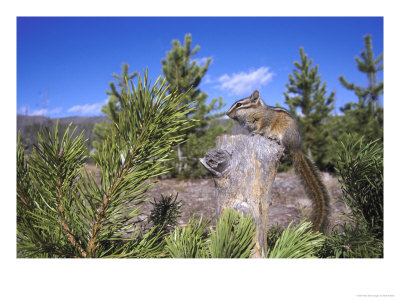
point(289, 200)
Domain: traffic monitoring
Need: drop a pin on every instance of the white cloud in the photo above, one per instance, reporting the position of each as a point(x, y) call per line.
point(45, 112)
point(38, 112)
point(243, 83)
point(207, 79)
point(23, 109)
point(87, 109)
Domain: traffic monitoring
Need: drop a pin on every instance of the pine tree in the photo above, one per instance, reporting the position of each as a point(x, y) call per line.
point(360, 167)
point(360, 172)
point(307, 100)
point(65, 211)
point(184, 75)
point(366, 116)
point(370, 66)
point(114, 105)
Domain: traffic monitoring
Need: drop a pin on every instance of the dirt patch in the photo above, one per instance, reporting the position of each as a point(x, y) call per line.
point(289, 200)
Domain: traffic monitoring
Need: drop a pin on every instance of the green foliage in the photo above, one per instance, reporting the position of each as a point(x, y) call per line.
point(101, 131)
point(370, 66)
point(47, 207)
point(320, 130)
point(64, 211)
point(189, 241)
point(360, 167)
point(273, 235)
point(352, 242)
point(141, 245)
point(121, 82)
point(362, 120)
point(297, 242)
point(366, 116)
point(113, 107)
point(233, 236)
point(165, 212)
point(184, 74)
point(307, 100)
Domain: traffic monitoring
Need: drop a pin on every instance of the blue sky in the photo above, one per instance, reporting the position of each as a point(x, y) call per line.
point(71, 59)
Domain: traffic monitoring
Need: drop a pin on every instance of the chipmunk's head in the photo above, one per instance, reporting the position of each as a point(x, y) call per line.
point(245, 105)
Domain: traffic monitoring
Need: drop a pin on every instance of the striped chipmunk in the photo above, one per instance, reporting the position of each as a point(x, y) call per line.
point(280, 125)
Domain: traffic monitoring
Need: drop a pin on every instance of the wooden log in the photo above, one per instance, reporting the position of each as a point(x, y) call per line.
point(244, 168)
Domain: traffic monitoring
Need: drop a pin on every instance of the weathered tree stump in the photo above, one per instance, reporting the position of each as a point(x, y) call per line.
point(244, 168)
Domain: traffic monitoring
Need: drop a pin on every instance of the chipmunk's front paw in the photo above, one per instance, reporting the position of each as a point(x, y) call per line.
point(257, 133)
point(275, 138)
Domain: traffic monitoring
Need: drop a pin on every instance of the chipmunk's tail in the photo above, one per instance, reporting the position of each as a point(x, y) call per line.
point(314, 188)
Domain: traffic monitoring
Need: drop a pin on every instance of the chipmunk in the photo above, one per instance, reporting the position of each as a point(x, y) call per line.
point(280, 125)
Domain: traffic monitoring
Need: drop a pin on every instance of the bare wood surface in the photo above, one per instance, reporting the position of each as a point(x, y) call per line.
point(244, 168)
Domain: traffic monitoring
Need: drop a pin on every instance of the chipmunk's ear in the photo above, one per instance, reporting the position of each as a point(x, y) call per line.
point(255, 96)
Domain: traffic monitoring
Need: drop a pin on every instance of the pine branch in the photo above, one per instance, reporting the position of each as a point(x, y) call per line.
point(147, 116)
point(53, 168)
point(234, 236)
point(73, 215)
point(64, 224)
point(71, 237)
point(93, 245)
point(297, 242)
point(189, 241)
point(360, 167)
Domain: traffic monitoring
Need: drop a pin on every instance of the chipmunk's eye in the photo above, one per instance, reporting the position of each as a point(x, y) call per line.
point(238, 104)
